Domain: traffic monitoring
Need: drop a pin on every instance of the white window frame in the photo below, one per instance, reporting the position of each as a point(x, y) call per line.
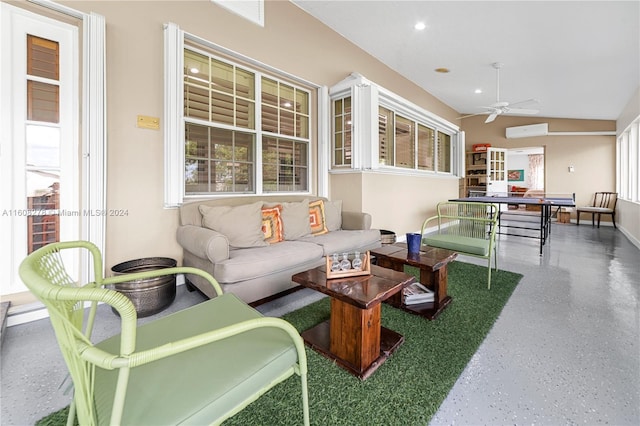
point(174, 158)
point(628, 163)
point(366, 97)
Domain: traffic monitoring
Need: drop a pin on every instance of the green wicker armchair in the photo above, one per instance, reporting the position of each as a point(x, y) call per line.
point(200, 365)
point(465, 227)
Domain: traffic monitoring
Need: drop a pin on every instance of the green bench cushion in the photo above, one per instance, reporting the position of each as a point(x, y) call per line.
point(235, 367)
point(459, 243)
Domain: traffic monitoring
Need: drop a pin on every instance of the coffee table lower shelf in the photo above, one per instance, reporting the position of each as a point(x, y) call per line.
point(318, 338)
point(429, 310)
point(432, 263)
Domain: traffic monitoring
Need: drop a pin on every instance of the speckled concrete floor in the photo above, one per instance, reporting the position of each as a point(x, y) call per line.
point(566, 348)
point(564, 351)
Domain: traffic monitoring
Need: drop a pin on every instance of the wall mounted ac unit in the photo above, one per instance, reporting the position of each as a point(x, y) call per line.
point(527, 131)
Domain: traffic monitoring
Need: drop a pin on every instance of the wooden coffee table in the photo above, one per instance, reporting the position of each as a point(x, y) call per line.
point(353, 336)
point(432, 263)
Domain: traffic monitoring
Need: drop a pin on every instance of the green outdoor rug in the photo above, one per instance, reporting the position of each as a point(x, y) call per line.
point(410, 386)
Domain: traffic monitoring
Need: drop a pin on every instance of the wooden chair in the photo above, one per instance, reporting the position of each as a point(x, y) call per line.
point(200, 365)
point(464, 227)
point(603, 203)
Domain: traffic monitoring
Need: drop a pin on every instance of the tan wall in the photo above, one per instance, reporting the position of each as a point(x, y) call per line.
point(291, 41)
point(348, 188)
point(593, 157)
point(401, 203)
point(396, 203)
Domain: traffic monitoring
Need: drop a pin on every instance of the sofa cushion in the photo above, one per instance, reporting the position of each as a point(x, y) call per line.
point(333, 215)
point(295, 220)
point(341, 241)
point(272, 224)
point(249, 263)
point(316, 218)
point(242, 225)
point(596, 210)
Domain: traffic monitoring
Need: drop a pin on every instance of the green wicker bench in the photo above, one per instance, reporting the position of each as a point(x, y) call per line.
point(464, 227)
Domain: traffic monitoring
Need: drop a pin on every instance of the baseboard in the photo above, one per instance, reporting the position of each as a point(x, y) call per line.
point(23, 314)
point(630, 237)
point(585, 223)
point(4, 312)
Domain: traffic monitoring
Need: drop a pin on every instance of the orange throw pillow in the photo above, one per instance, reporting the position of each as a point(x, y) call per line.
point(272, 224)
point(316, 218)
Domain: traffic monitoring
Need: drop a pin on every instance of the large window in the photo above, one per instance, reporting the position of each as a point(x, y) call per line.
point(375, 129)
point(245, 131)
point(410, 144)
point(628, 153)
point(233, 125)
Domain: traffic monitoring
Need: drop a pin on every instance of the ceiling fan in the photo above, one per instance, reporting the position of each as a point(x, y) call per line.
point(502, 107)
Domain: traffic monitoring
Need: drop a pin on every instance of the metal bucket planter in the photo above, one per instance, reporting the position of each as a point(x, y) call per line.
point(152, 295)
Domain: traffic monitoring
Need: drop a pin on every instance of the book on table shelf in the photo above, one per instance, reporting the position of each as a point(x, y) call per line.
point(417, 293)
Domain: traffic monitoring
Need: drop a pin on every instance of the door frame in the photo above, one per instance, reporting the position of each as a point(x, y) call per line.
point(93, 140)
point(537, 149)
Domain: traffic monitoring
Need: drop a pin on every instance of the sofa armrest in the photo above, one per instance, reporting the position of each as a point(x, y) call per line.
point(356, 220)
point(203, 242)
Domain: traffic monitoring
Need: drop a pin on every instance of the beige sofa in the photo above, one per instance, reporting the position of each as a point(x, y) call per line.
point(219, 236)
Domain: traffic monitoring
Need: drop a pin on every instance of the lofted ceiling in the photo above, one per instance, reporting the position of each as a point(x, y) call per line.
point(579, 59)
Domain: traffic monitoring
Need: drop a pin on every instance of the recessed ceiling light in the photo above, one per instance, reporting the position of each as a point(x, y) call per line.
point(477, 91)
point(420, 26)
point(194, 70)
point(442, 70)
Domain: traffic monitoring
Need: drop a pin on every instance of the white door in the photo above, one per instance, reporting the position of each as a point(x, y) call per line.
point(39, 148)
point(497, 172)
